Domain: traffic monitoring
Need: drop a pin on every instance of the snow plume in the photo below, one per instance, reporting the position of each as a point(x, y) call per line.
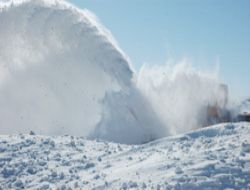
point(179, 93)
point(129, 117)
point(61, 72)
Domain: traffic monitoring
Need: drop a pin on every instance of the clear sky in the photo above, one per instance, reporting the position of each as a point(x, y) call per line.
point(150, 31)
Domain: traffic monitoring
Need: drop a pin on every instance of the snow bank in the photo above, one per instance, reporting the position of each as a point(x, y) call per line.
point(212, 158)
point(61, 72)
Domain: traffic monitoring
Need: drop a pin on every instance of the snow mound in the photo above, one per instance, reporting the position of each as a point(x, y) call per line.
point(212, 158)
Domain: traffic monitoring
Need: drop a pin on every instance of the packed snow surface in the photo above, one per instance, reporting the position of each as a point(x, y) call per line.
point(217, 157)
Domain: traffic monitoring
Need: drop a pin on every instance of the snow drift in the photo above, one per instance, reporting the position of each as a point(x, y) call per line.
point(61, 72)
point(215, 158)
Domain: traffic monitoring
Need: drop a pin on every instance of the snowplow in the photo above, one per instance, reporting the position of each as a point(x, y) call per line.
point(219, 111)
point(245, 116)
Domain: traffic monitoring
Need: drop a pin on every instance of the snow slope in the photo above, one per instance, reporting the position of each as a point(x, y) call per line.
point(217, 157)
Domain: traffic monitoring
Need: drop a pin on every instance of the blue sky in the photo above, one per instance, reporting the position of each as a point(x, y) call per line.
point(151, 31)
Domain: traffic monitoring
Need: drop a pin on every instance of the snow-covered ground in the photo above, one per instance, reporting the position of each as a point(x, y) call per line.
point(216, 157)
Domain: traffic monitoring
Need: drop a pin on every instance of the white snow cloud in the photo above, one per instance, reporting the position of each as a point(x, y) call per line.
point(178, 92)
point(61, 72)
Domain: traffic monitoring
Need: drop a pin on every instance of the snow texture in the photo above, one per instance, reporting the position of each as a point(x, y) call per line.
point(215, 158)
